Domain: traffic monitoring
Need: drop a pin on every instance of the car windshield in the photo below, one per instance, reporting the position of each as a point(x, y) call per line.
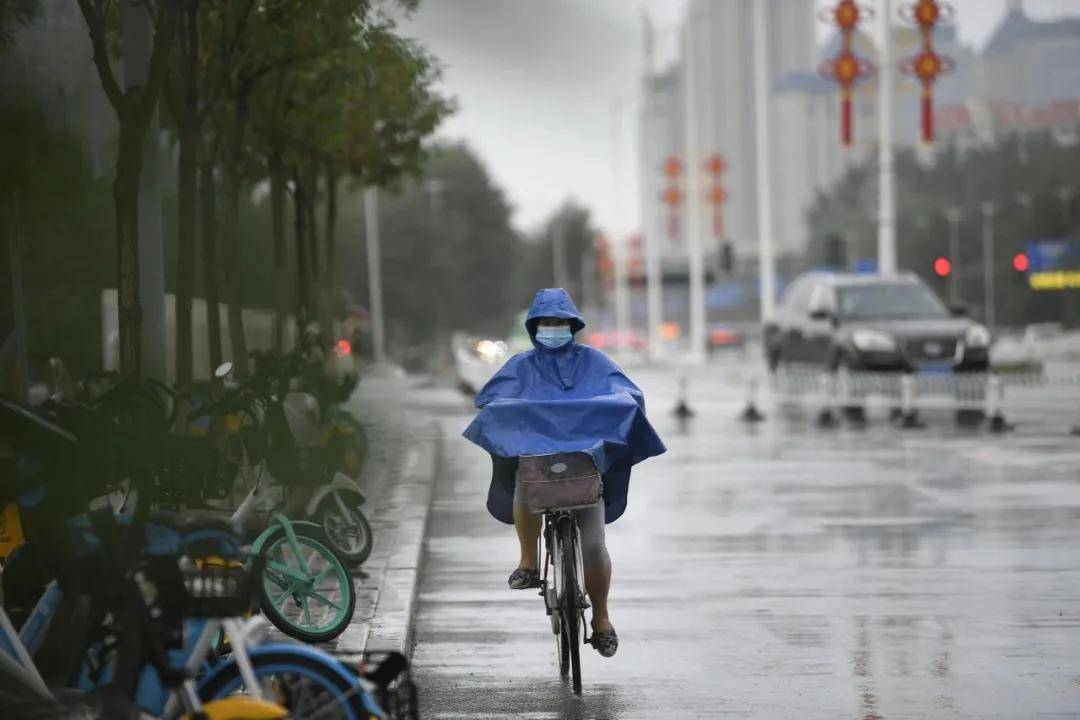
point(889, 301)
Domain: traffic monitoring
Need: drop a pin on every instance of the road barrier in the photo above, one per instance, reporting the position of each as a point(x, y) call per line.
point(1046, 395)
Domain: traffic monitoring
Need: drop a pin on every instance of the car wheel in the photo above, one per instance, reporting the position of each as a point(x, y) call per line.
point(969, 418)
point(850, 405)
point(772, 359)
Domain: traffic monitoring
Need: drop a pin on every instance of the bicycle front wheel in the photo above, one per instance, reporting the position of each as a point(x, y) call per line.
point(305, 685)
point(570, 602)
point(306, 591)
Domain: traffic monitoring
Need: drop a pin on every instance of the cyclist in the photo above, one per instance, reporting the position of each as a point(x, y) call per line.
point(557, 369)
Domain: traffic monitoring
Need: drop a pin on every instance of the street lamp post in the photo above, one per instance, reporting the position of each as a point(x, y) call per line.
point(558, 251)
point(694, 196)
point(953, 216)
point(886, 166)
point(988, 261)
point(763, 137)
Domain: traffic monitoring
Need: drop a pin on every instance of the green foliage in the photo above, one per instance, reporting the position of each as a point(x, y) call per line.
point(451, 259)
point(66, 232)
point(13, 15)
point(1022, 176)
point(573, 224)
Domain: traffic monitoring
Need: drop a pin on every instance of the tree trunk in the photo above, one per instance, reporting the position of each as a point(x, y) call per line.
point(230, 246)
point(299, 225)
point(331, 223)
point(188, 125)
point(185, 255)
point(312, 183)
point(277, 224)
point(126, 202)
point(316, 291)
point(208, 193)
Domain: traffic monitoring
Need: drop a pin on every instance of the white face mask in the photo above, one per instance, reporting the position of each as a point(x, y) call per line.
point(553, 336)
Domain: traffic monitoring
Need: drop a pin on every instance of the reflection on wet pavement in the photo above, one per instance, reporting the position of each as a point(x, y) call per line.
point(780, 571)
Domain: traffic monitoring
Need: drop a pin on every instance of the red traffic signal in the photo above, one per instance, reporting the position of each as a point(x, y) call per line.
point(1021, 262)
point(942, 266)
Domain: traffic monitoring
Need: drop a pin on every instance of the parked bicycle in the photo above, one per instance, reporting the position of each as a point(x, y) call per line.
point(306, 589)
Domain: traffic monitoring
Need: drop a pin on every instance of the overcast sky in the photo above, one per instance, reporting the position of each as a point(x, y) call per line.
point(542, 86)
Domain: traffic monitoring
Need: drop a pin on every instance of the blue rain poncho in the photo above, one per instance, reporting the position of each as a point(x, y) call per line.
point(567, 399)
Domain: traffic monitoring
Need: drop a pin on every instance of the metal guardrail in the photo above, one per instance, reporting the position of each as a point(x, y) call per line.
point(1050, 394)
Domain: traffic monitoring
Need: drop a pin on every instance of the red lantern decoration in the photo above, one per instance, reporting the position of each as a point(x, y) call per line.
point(672, 196)
point(847, 68)
point(716, 195)
point(927, 65)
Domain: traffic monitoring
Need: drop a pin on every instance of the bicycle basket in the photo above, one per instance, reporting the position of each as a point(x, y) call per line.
point(219, 587)
point(562, 481)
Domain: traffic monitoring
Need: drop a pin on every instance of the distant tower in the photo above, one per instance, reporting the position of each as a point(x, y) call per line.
point(1016, 6)
point(649, 41)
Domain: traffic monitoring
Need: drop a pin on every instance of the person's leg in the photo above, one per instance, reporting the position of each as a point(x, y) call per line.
point(597, 565)
point(527, 525)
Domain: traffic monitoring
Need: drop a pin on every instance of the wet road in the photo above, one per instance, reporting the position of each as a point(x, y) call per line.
point(778, 572)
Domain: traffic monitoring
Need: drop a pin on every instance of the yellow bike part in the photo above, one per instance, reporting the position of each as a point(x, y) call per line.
point(11, 530)
point(242, 707)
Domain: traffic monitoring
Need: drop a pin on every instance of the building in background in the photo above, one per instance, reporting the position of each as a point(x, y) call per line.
point(1027, 78)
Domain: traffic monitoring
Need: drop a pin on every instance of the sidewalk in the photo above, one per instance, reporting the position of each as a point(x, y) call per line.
point(404, 446)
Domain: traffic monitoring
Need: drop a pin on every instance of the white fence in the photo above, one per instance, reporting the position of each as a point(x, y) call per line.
point(1050, 395)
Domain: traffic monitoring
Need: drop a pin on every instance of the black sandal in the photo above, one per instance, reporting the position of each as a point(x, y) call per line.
point(522, 579)
point(606, 642)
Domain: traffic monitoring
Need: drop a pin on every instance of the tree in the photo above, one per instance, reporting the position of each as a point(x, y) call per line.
point(13, 15)
point(134, 109)
point(1022, 176)
point(65, 226)
point(361, 106)
point(571, 225)
point(452, 260)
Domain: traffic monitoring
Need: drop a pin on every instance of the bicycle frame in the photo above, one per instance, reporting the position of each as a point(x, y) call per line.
point(15, 659)
point(554, 601)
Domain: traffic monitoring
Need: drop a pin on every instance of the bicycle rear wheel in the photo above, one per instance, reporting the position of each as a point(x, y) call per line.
point(570, 602)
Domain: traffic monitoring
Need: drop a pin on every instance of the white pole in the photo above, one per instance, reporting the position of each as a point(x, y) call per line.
point(619, 242)
point(558, 251)
point(953, 215)
point(764, 164)
point(653, 279)
point(693, 199)
point(988, 262)
point(371, 218)
point(886, 169)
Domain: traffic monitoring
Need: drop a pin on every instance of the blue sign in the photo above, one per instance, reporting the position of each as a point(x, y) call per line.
point(866, 266)
point(1047, 255)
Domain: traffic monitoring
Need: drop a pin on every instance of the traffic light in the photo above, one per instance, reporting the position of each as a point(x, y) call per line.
point(942, 267)
point(835, 252)
point(1021, 263)
point(727, 258)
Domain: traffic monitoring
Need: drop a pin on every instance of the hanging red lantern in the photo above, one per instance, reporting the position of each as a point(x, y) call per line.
point(715, 165)
point(927, 65)
point(846, 68)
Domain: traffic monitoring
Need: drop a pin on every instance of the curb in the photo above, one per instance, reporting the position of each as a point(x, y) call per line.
point(397, 582)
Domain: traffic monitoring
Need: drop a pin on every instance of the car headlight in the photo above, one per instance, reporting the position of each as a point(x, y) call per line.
point(491, 351)
point(977, 336)
point(873, 341)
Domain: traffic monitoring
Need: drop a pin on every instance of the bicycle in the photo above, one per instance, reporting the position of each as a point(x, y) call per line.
point(558, 485)
point(306, 590)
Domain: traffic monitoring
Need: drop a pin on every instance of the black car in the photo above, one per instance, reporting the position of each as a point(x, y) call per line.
point(872, 323)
